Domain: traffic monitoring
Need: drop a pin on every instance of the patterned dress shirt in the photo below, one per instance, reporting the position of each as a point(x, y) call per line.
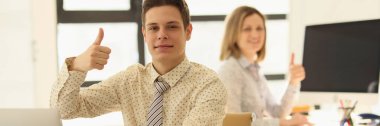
point(196, 96)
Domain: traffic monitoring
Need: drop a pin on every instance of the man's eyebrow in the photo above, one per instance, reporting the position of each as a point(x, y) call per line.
point(173, 22)
point(150, 24)
point(170, 22)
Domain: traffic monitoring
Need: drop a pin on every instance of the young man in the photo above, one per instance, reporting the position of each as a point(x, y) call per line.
point(169, 91)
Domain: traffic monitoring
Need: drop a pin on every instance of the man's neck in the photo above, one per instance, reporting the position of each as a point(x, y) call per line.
point(164, 66)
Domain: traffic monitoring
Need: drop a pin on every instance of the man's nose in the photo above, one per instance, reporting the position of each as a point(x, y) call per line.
point(162, 35)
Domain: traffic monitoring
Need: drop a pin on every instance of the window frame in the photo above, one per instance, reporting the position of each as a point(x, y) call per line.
point(134, 15)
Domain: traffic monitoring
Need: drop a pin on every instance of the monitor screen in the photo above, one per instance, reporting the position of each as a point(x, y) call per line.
point(342, 57)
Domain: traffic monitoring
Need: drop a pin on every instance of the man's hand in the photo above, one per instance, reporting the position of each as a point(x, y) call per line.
point(95, 57)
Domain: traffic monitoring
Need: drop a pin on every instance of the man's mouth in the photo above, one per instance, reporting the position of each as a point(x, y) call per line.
point(163, 46)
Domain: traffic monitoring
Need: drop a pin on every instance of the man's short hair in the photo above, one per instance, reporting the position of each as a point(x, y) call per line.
point(181, 5)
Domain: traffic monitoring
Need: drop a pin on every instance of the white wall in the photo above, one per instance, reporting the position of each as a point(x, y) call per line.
point(16, 62)
point(44, 35)
point(28, 52)
point(309, 12)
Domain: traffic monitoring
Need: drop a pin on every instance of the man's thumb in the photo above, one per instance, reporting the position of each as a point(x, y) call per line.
point(99, 39)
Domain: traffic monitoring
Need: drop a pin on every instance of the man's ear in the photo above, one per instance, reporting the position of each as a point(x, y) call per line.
point(189, 29)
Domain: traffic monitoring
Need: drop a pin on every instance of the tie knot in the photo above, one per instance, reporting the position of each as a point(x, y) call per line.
point(161, 85)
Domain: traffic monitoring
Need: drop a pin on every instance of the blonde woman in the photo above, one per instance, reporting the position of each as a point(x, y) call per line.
point(243, 48)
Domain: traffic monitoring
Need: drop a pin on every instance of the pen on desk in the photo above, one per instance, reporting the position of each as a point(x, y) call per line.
point(341, 104)
point(356, 102)
point(352, 108)
point(347, 113)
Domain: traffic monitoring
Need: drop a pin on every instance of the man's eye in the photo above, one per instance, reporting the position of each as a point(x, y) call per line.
point(152, 28)
point(173, 26)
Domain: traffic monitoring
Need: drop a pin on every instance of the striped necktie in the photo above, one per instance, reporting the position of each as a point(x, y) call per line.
point(155, 109)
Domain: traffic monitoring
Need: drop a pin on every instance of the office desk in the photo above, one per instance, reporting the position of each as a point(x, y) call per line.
point(332, 118)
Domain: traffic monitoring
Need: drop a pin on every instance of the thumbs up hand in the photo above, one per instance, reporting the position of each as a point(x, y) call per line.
point(95, 57)
point(297, 72)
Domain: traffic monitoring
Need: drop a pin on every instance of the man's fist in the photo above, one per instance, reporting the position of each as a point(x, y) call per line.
point(95, 57)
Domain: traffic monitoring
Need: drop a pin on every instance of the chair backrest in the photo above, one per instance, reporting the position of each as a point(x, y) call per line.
point(237, 119)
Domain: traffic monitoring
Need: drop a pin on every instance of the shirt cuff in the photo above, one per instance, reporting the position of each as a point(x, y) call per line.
point(65, 73)
point(65, 68)
point(294, 88)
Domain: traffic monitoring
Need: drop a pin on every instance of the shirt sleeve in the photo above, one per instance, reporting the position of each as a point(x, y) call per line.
point(73, 102)
point(287, 102)
point(209, 108)
point(290, 98)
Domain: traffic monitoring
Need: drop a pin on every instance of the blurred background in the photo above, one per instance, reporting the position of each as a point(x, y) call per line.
point(37, 35)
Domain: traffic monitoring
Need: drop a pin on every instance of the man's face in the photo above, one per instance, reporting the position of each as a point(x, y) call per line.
point(165, 34)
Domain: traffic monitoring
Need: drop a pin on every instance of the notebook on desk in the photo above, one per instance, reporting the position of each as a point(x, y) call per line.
point(29, 117)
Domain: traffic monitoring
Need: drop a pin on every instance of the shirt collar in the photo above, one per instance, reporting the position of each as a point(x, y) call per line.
point(173, 76)
point(245, 63)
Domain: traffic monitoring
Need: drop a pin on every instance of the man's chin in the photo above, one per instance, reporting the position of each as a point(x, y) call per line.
point(164, 57)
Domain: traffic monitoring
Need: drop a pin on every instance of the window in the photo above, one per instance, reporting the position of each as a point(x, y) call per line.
point(88, 5)
point(223, 7)
point(277, 41)
point(73, 39)
point(79, 20)
point(78, 24)
point(276, 60)
point(202, 48)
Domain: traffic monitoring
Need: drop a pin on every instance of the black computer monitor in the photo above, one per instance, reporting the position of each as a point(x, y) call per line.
point(342, 57)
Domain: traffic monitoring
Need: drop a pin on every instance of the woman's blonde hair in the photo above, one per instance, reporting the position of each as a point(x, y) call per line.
point(234, 24)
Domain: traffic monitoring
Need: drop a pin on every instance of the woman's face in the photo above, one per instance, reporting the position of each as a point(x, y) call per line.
point(252, 35)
